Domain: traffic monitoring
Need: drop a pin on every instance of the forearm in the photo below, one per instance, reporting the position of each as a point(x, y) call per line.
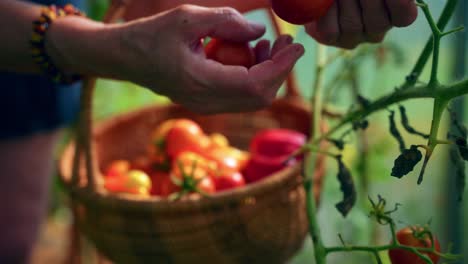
point(241, 5)
point(75, 44)
point(16, 19)
point(141, 8)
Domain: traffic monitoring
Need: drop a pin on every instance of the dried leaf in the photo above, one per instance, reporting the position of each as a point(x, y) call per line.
point(394, 131)
point(460, 180)
point(407, 126)
point(338, 143)
point(405, 163)
point(462, 147)
point(347, 188)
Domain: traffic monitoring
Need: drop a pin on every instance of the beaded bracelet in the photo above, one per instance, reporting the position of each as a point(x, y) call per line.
point(38, 38)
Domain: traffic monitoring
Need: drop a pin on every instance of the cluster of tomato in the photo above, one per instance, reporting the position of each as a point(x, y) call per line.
point(182, 159)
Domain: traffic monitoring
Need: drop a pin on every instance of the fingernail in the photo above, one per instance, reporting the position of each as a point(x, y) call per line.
point(288, 39)
point(256, 26)
point(300, 50)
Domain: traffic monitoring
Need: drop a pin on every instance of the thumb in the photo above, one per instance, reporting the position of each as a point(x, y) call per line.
point(224, 23)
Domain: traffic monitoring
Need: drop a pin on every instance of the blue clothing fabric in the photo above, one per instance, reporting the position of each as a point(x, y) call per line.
point(32, 103)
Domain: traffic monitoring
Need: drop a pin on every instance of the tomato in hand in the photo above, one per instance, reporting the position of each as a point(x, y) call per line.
point(408, 236)
point(229, 180)
point(276, 142)
point(185, 135)
point(230, 53)
point(301, 12)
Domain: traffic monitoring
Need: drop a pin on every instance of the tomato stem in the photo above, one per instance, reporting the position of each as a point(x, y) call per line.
point(413, 77)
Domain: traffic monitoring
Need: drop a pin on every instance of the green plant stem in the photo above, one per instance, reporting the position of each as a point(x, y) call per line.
point(373, 250)
point(445, 92)
point(437, 36)
point(439, 107)
point(426, 53)
point(316, 102)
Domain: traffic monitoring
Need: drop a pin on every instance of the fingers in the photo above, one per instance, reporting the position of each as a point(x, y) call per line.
point(351, 22)
point(225, 23)
point(236, 89)
point(402, 12)
point(375, 18)
point(281, 42)
point(327, 29)
point(272, 73)
point(262, 51)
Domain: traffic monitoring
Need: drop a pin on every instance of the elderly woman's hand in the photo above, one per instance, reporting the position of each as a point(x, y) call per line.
point(164, 53)
point(351, 22)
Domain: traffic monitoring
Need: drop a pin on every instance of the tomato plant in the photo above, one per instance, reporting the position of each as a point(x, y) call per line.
point(230, 53)
point(301, 11)
point(416, 237)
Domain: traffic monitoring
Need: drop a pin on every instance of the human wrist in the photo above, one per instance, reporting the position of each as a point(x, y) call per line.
point(82, 46)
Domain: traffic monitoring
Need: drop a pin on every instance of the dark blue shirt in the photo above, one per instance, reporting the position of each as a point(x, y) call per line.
point(31, 103)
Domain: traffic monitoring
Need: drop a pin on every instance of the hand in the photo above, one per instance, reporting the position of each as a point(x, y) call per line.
point(142, 8)
point(164, 53)
point(351, 22)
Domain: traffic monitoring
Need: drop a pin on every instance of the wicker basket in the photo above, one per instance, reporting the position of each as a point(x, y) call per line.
point(264, 222)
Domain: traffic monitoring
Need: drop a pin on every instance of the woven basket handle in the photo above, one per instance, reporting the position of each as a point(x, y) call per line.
point(84, 144)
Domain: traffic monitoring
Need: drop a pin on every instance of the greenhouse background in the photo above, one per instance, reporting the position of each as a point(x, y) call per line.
point(433, 201)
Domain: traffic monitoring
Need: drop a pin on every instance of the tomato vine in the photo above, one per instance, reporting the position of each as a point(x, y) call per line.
point(442, 94)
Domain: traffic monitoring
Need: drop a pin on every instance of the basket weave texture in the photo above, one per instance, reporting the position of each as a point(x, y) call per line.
point(264, 222)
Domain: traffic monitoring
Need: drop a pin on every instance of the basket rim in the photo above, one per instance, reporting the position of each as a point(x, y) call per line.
point(277, 181)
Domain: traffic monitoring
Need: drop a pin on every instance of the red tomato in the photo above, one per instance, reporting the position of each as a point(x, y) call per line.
point(259, 167)
point(207, 185)
point(227, 159)
point(276, 142)
point(230, 53)
point(192, 161)
point(156, 181)
point(134, 182)
point(185, 135)
point(300, 12)
point(157, 148)
point(142, 163)
point(117, 168)
point(218, 140)
point(229, 180)
point(168, 187)
point(191, 167)
point(406, 237)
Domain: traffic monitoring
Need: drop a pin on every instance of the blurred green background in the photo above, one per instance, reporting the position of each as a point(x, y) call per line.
point(420, 203)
